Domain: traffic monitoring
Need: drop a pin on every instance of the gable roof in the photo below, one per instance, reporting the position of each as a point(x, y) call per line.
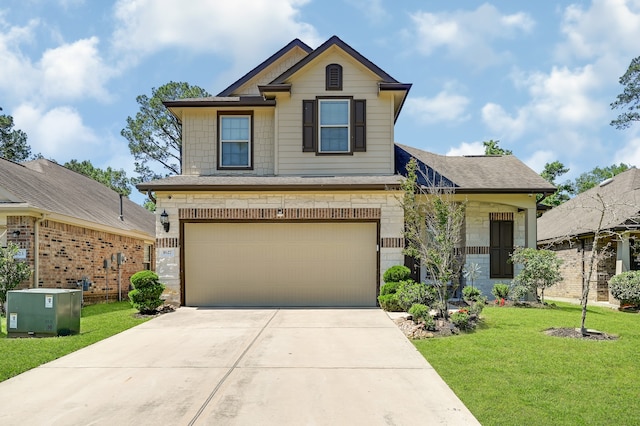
point(270, 60)
point(580, 215)
point(474, 174)
point(45, 186)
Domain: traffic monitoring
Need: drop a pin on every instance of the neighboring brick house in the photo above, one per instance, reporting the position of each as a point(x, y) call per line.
point(67, 225)
point(289, 194)
point(569, 230)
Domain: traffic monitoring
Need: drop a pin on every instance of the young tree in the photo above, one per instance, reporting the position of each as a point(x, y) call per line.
point(433, 230)
point(540, 269)
point(155, 135)
point(13, 143)
point(491, 148)
point(12, 272)
point(630, 96)
point(114, 179)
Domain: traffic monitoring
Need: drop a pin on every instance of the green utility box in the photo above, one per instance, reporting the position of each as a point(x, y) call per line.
point(43, 312)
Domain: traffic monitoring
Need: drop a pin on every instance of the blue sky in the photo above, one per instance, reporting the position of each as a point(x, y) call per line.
point(537, 75)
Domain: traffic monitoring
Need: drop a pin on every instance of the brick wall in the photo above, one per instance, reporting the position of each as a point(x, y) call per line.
point(68, 253)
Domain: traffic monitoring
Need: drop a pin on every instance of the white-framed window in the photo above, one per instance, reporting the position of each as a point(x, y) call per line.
point(235, 141)
point(333, 130)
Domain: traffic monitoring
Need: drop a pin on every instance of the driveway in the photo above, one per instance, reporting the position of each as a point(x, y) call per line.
point(240, 367)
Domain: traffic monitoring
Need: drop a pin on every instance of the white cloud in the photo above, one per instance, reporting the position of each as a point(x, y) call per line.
point(73, 71)
point(372, 9)
point(241, 29)
point(467, 34)
point(13, 61)
point(444, 107)
point(58, 133)
point(538, 159)
point(466, 148)
point(606, 27)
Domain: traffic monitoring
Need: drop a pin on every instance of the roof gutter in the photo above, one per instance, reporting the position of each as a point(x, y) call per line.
point(253, 188)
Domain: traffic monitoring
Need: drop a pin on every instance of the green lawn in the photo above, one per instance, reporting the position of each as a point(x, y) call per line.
point(508, 372)
point(96, 323)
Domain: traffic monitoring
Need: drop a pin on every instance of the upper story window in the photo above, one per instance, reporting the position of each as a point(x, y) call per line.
point(235, 145)
point(333, 77)
point(334, 125)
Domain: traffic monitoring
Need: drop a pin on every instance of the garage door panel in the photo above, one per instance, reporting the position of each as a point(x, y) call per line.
point(280, 264)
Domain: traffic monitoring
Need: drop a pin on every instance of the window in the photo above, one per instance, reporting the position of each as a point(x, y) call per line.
point(235, 148)
point(333, 79)
point(500, 248)
point(334, 125)
point(146, 262)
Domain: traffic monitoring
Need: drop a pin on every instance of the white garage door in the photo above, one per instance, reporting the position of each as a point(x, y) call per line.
point(280, 264)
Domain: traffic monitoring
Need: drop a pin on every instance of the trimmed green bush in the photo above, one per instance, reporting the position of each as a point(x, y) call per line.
point(625, 287)
point(389, 288)
point(500, 291)
point(396, 274)
point(471, 294)
point(461, 320)
point(419, 312)
point(389, 303)
point(410, 292)
point(147, 288)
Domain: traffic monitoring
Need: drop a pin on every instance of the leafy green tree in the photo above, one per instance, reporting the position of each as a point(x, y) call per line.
point(590, 179)
point(630, 96)
point(114, 179)
point(433, 230)
point(12, 272)
point(550, 173)
point(155, 135)
point(13, 143)
point(491, 148)
point(540, 270)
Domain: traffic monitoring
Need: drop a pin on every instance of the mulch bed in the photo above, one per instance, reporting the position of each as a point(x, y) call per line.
point(574, 333)
point(164, 309)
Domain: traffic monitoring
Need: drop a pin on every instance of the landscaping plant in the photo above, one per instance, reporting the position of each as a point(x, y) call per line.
point(433, 231)
point(12, 272)
point(396, 273)
point(410, 292)
point(147, 288)
point(540, 270)
point(500, 291)
point(625, 288)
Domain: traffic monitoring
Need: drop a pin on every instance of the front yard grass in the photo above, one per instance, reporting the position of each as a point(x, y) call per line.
point(97, 322)
point(508, 372)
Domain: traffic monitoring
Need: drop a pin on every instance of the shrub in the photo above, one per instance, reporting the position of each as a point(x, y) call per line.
point(389, 288)
point(147, 288)
point(476, 308)
point(410, 292)
point(419, 312)
point(625, 287)
point(389, 303)
point(500, 291)
point(471, 294)
point(461, 320)
point(429, 323)
point(396, 274)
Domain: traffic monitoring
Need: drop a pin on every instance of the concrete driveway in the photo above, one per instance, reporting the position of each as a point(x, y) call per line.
point(240, 367)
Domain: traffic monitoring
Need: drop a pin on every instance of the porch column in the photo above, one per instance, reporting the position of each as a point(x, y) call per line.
point(623, 262)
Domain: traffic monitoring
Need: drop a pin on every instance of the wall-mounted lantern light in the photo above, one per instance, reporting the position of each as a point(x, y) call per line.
point(164, 220)
point(16, 233)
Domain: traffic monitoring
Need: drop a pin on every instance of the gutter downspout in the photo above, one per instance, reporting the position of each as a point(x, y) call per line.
point(36, 251)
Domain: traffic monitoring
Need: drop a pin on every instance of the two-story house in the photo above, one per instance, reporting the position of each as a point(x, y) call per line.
point(289, 194)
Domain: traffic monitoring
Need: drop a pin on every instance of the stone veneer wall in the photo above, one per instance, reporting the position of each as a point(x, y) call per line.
point(68, 253)
point(390, 216)
point(476, 239)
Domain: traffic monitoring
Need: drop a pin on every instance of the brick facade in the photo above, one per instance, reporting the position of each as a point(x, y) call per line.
point(69, 253)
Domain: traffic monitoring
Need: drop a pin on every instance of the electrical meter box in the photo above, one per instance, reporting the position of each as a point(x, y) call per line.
point(43, 312)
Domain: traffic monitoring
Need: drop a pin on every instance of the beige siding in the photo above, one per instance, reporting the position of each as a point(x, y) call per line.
point(357, 82)
point(199, 127)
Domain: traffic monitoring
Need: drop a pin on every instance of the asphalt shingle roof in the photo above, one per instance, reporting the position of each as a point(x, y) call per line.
point(619, 196)
point(45, 185)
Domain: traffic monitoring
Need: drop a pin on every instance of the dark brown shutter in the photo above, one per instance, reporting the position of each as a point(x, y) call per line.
point(500, 248)
point(309, 126)
point(333, 78)
point(359, 125)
